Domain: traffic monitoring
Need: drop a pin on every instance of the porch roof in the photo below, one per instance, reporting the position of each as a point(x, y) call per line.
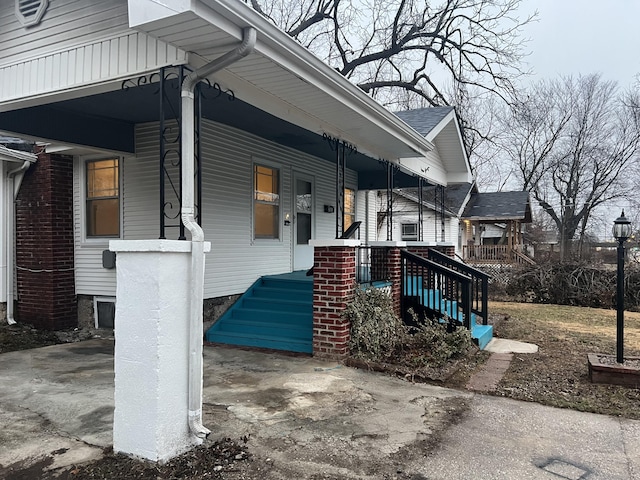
point(280, 77)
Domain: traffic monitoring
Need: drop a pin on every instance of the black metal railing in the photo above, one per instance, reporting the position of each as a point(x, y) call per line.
point(433, 289)
point(371, 264)
point(479, 282)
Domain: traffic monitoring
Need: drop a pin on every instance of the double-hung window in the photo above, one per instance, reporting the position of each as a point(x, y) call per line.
point(349, 207)
point(266, 202)
point(102, 198)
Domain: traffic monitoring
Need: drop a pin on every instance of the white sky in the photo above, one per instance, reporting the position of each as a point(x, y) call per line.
point(574, 37)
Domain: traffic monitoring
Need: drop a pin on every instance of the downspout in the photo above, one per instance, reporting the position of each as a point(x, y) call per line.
point(16, 176)
point(197, 235)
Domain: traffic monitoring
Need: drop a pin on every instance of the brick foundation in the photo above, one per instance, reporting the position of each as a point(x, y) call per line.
point(334, 282)
point(44, 245)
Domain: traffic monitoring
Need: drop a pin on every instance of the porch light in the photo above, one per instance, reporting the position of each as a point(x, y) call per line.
point(621, 231)
point(621, 228)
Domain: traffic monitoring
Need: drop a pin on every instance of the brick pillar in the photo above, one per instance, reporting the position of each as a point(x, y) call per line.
point(44, 245)
point(334, 283)
point(394, 269)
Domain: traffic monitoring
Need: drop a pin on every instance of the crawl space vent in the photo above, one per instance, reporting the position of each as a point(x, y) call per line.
point(104, 309)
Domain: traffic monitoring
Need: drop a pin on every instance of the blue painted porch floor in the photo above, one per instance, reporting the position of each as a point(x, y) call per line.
point(275, 312)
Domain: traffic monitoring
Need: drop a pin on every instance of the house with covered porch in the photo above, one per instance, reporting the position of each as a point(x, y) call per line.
point(279, 153)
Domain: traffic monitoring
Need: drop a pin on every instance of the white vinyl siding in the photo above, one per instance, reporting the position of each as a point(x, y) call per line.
point(236, 260)
point(78, 43)
point(90, 277)
point(406, 211)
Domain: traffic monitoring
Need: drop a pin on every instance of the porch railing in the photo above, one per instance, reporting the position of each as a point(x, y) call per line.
point(479, 282)
point(432, 288)
point(494, 254)
point(371, 264)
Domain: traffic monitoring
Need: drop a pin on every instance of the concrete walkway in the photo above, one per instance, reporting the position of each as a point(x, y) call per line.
point(311, 419)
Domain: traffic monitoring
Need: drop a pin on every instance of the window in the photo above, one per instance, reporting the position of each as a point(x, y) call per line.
point(103, 198)
point(349, 208)
point(409, 231)
point(266, 202)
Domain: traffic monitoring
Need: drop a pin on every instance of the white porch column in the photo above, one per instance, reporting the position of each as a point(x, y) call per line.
point(152, 348)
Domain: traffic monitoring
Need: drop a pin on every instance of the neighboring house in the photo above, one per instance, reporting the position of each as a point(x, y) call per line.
point(287, 150)
point(494, 223)
point(442, 210)
point(430, 213)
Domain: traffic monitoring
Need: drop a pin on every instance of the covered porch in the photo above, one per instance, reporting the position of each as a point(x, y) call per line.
point(494, 224)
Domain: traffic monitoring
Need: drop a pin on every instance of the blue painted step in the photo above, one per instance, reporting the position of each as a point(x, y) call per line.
point(275, 312)
point(481, 334)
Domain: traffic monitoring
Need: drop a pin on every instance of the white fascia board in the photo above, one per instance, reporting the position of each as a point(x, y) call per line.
point(422, 167)
point(232, 16)
point(152, 10)
point(466, 199)
point(10, 155)
point(452, 118)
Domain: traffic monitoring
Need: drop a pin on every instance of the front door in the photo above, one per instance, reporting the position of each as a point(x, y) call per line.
point(303, 221)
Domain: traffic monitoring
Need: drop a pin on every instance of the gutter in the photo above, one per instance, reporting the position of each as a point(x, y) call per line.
point(197, 234)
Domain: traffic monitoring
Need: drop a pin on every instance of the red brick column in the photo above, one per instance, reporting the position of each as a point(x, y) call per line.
point(334, 283)
point(394, 268)
point(44, 245)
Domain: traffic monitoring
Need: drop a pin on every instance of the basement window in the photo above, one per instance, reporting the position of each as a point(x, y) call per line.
point(104, 311)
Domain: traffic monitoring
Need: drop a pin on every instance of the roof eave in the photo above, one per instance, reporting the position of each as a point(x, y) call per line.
point(232, 16)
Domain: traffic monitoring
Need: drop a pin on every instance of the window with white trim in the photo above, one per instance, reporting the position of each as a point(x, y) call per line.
point(266, 202)
point(409, 231)
point(349, 207)
point(102, 193)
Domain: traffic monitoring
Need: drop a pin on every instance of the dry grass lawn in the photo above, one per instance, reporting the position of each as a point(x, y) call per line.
point(557, 374)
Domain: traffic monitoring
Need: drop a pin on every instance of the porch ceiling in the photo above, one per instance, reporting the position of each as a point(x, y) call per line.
point(281, 77)
point(107, 121)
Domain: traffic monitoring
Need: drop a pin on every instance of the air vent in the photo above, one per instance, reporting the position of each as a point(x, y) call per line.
point(104, 310)
point(30, 12)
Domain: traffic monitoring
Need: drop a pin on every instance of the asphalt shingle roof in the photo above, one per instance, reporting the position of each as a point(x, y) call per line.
point(495, 206)
point(423, 120)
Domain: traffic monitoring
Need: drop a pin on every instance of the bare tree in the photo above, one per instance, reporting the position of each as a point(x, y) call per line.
point(403, 50)
point(574, 142)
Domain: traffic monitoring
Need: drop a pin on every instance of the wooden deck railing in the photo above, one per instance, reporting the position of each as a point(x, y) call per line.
point(494, 254)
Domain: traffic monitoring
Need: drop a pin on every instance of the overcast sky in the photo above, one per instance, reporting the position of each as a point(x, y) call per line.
point(585, 36)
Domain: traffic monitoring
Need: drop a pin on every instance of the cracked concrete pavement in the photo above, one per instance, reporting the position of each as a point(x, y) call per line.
point(307, 418)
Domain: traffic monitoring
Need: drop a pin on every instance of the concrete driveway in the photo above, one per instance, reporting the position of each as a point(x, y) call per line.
point(313, 419)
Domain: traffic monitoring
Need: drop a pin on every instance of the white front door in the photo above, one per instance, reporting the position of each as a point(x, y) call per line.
point(303, 221)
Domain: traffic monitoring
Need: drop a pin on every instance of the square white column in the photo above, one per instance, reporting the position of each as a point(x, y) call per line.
point(152, 348)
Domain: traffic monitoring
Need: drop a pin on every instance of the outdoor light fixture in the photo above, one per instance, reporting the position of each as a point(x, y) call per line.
point(621, 231)
point(621, 228)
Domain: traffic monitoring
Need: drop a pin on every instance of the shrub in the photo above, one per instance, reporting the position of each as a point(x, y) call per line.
point(433, 344)
point(578, 284)
point(377, 334)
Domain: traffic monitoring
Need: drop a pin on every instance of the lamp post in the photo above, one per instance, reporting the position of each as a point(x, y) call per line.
point(621, 231)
